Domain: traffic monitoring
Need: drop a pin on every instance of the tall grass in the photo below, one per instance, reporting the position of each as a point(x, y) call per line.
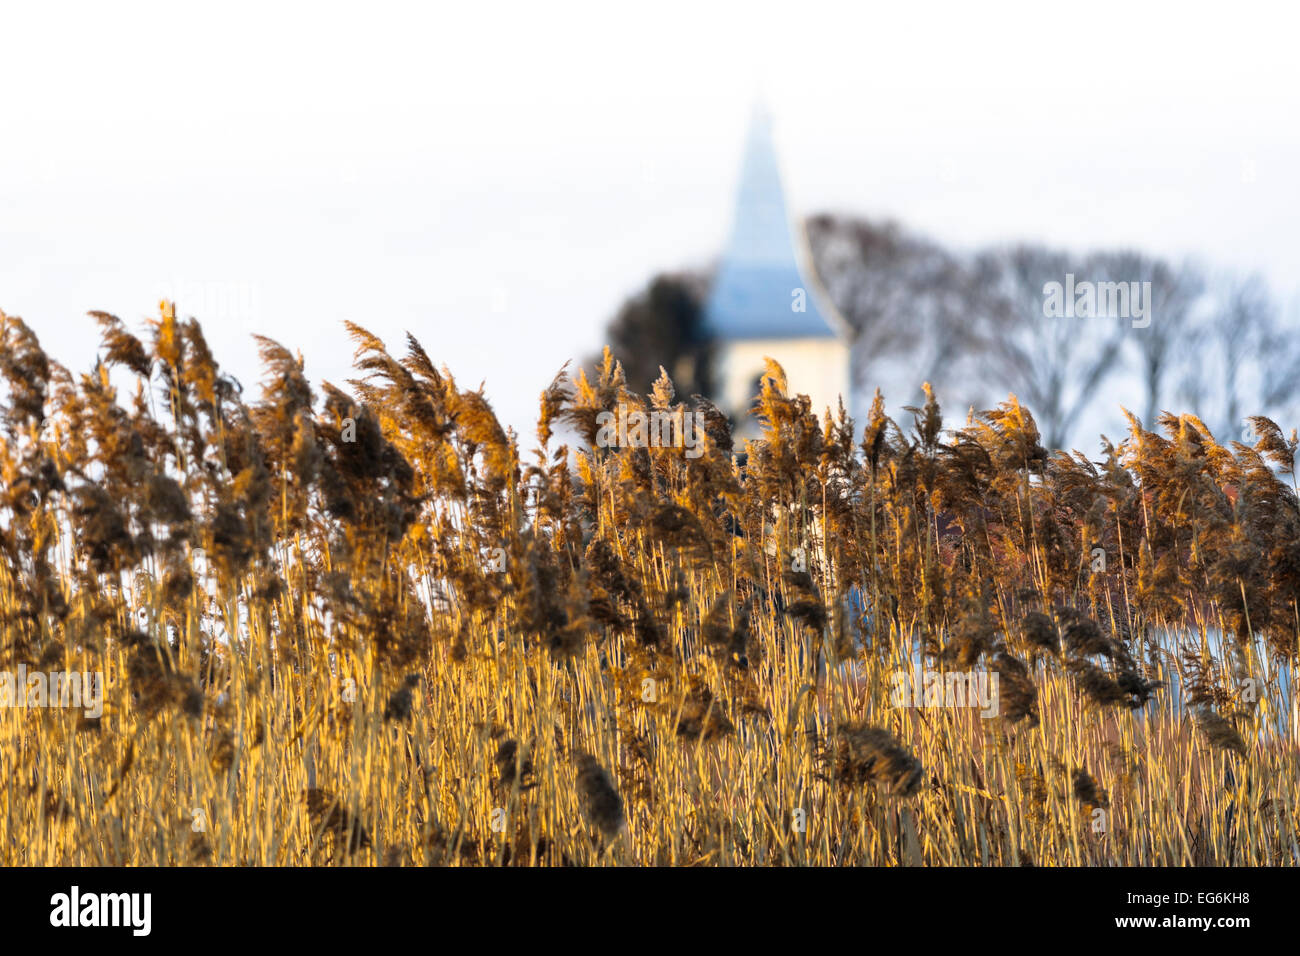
point(314, 653)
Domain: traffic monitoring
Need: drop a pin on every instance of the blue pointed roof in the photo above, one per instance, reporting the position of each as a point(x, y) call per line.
point(753, 292)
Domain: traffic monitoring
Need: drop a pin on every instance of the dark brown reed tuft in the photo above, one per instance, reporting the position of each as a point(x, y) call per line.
point(155, 682)
point(399, 702)
point(1219, 731)
point(703, 716)
point(601, 802)
point(329, 816)
point(1086, 791)
point(1040, 632)
point(513, 764)
point(718, 632)
point(1017, 695)
point(865, 754)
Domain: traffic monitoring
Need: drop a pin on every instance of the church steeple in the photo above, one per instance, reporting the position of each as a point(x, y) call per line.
point(761, 290)
point(760, 231)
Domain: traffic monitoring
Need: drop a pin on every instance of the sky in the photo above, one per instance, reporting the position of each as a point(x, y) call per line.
point(495, 179)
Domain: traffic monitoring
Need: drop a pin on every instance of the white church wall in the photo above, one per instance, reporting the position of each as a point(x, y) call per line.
point(816, 367)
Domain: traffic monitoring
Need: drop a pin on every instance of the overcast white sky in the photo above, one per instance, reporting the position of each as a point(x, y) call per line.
point(496, 178)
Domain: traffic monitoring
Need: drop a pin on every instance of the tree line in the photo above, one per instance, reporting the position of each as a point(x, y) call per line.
point(973, 324)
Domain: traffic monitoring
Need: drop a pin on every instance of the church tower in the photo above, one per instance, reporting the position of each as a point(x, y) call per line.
point(766, 299)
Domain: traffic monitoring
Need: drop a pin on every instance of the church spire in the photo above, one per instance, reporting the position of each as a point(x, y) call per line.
point(760, 290)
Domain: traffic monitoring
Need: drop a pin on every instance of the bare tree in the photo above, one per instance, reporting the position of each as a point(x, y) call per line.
point(1278, 393)
point(1055, 364)
point(906, 298)
point(1174, 295)
point(1232, 362)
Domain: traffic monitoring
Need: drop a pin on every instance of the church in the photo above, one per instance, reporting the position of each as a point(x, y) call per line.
point(766, 299)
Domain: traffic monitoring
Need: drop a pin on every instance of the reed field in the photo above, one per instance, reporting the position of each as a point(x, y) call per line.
point(366, 625)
